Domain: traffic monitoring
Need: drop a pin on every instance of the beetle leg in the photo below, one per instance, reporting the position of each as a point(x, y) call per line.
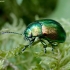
point(25, 47)
point(31, 41)
point(53, 44)
point(44, 45)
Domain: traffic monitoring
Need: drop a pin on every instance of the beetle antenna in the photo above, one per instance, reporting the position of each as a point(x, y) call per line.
point(11, 32)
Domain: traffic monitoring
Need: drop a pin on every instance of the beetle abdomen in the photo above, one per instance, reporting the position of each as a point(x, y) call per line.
point(52, 30)
point(49, 32)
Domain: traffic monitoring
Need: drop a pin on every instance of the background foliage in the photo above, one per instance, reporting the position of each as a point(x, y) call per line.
point(25, 9)
point(15, 16)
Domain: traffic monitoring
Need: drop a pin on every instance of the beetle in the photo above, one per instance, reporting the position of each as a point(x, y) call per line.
point(46, 29)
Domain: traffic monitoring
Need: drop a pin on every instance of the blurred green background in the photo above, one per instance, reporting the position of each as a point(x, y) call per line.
point(15, 15)
point(25, 9)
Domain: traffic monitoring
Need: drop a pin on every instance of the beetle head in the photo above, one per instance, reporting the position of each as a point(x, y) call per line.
point(33, 30)
point(28, 34)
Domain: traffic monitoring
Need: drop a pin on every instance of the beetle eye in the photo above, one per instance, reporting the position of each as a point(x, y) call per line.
point(26, 38)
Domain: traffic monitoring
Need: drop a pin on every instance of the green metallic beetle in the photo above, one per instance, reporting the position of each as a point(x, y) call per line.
point(47, 29)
